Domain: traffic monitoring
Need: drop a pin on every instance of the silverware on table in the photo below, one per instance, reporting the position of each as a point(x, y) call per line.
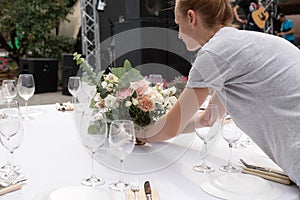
point(9, 180)
point(147, 188)
point(265, 169)
point(134, 186)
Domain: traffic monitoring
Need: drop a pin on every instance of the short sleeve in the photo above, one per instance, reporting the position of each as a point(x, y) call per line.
point(205, 73)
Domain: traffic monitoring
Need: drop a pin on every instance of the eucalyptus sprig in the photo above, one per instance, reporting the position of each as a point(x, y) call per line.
point(88, 74)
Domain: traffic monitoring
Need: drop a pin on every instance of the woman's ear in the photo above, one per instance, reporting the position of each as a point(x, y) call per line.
point(191, 17)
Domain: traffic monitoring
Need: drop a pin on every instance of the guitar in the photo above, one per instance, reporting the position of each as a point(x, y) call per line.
point(261, 15)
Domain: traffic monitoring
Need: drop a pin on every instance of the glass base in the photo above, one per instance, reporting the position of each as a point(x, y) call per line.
point(203, 168)
point(119, 186)
point(27, 118)
point(9, 168)
point(229, 168)
point(92, 181)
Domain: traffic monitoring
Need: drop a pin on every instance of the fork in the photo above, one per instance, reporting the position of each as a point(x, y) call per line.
point(135, 189)
point(10, 180)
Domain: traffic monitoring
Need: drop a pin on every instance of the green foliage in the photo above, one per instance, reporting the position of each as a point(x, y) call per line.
point(126, 74)
point(33, 23)
point(88, 74)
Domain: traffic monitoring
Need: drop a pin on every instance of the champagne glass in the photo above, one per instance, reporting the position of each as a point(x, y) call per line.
point(26, 88)
point(74, 84)
point(10, 126)
point(9, 89)
point(231, 134)
point(155, 79)
point(121, 143)
point(92, 133)
point(207, 126)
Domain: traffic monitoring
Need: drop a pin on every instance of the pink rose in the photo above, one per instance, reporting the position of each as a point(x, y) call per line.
point(123, 93)
point(145, 104)
point(140, 86)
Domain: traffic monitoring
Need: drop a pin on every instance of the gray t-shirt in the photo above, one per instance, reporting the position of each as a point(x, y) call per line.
point(257, 78)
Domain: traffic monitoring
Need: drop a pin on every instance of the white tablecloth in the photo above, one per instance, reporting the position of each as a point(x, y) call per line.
point(52, 156)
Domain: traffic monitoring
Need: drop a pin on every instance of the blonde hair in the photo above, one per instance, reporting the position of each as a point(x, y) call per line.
point(214, 12)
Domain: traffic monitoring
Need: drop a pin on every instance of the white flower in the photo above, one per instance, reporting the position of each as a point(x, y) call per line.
point(110, 101)
point(110, 87)
point(158, 86)
point(128, 104)
point(156, 97)
point(135, 101)
point(104, 84)
point(172, 90)
point(97, 97)
point(98, 116)
point(111, 78)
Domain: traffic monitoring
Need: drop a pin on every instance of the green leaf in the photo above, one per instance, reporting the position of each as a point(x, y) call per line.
point(127, 65)
point(132, 75)
point(118, 71)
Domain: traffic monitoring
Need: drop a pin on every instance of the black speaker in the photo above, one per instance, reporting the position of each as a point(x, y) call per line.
point(142, 55)
point(69, 68)
point(137, 9)
point(44, 71)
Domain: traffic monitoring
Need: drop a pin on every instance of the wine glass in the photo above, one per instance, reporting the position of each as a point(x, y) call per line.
point(121, 143)
point(74, 84)
point(231, 134)
point(11, 145)
point(155, 79)
point(207, 126)
point(9, 89)
point(11, 129)
point(92, 133)
point(26, 88)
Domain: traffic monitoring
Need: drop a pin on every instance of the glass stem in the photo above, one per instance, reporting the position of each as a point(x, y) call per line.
point(121, 168)
point(26, 108)
point(92, 169)
point(205, 150)
point(11, 157)
point(10, 160)
point(230, 155)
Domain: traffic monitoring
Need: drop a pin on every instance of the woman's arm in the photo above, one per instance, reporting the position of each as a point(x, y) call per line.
point(175, 121)
point(190, 127)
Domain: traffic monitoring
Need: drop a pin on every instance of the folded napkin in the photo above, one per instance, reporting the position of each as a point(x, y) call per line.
point(142, 196)
point(269, 175)
point(10, 188)
point(64, 106)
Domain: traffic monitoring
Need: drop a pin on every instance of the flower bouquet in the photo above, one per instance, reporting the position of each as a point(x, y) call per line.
point(123, 93)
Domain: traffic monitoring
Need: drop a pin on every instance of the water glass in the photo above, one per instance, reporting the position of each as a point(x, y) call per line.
point(26, 88)
point(74, 85)
point(92, 133)
point(121, 143)
point(207, 127)
point(9, 89)
point(231, 134)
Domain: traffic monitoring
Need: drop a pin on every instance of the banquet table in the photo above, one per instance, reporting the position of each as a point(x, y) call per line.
point(52, 156)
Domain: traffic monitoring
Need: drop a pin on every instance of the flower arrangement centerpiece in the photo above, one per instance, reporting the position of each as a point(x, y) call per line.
point(123, 93)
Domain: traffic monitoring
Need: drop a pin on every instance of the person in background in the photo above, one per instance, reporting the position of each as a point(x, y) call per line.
point(248, 7)
point(287, 28)
point(253, 76)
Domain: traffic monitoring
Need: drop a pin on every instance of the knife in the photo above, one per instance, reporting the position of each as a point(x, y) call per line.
point(263, 168)
point(148, 190)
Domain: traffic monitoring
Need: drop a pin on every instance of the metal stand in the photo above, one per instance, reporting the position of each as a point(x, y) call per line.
point(90, 33)
point(269, 28)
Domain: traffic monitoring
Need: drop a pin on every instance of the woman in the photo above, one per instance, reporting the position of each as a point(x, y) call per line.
point(256, 77)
